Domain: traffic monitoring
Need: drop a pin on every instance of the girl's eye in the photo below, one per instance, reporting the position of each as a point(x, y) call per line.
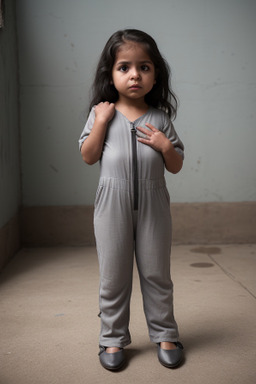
point(123, 68)
point(145, 68)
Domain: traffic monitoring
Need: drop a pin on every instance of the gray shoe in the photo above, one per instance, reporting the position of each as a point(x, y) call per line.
point(111, 361)
point(171, 358)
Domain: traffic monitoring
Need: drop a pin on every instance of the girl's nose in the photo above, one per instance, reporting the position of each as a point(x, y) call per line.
point(135, 74)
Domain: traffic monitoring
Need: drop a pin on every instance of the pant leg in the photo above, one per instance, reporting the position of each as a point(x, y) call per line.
point(115, 247)
point(153, 249)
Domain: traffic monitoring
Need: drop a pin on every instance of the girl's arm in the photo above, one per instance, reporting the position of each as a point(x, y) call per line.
point(158, 141)
point(92, 147)
point(172, 159)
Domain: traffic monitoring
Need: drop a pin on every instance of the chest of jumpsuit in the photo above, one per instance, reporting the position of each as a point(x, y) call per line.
point(132, 216)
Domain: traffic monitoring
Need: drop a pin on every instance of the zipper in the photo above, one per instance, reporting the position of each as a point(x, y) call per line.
point(135, 169)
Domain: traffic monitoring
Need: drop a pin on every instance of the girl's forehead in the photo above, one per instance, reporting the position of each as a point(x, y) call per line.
point(131, 46)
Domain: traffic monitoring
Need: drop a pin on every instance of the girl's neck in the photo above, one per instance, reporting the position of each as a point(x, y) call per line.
point(132, 110)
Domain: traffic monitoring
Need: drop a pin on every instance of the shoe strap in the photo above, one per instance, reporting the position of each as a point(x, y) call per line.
point(102, 349)
point(178, 344)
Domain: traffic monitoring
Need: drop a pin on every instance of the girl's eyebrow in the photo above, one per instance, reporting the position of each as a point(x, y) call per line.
point(129, 62)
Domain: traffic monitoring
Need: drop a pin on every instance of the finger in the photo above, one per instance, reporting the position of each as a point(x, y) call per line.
point(150, 126)
point(144, 141)
point(145, 131)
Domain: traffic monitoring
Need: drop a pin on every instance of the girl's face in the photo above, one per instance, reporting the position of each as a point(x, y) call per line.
point(133, 72)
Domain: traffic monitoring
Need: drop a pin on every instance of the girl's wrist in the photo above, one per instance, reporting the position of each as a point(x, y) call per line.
point(167, 146)
point(101, 121)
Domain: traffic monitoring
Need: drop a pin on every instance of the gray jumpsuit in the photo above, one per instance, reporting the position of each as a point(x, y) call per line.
point(132, 216)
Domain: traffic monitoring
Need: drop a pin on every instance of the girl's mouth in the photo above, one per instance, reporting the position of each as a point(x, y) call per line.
point(135, 86)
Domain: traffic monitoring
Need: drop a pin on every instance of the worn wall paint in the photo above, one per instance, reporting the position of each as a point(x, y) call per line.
point(211, 48)
point(9, 128)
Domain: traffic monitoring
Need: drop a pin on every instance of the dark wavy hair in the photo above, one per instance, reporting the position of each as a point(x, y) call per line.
point(161, 96)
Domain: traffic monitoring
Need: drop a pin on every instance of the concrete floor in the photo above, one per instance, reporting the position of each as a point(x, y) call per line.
point(49, 325)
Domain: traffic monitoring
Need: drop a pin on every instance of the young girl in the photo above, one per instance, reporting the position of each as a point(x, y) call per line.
point(129, 130)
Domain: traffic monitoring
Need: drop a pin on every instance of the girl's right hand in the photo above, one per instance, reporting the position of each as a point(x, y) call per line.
point(104, 112)
point(92, 147)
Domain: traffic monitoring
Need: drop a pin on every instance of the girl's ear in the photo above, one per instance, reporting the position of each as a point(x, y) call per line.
point(111, 82)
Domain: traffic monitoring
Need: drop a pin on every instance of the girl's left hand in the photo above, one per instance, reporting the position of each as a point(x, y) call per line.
point(154, 138)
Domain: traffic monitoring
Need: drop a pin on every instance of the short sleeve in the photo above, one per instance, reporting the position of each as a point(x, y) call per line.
point(172, 135)
point(87, 129)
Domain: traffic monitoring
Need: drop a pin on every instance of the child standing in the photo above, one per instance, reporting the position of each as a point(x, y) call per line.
point(129, 130)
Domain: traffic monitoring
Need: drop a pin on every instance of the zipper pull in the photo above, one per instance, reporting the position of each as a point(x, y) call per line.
point(133, 127)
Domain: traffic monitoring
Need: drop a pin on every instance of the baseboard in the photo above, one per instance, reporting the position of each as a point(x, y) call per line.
point(214, 223)
point(52, 226)
point(9, 240)
point(193, 223)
